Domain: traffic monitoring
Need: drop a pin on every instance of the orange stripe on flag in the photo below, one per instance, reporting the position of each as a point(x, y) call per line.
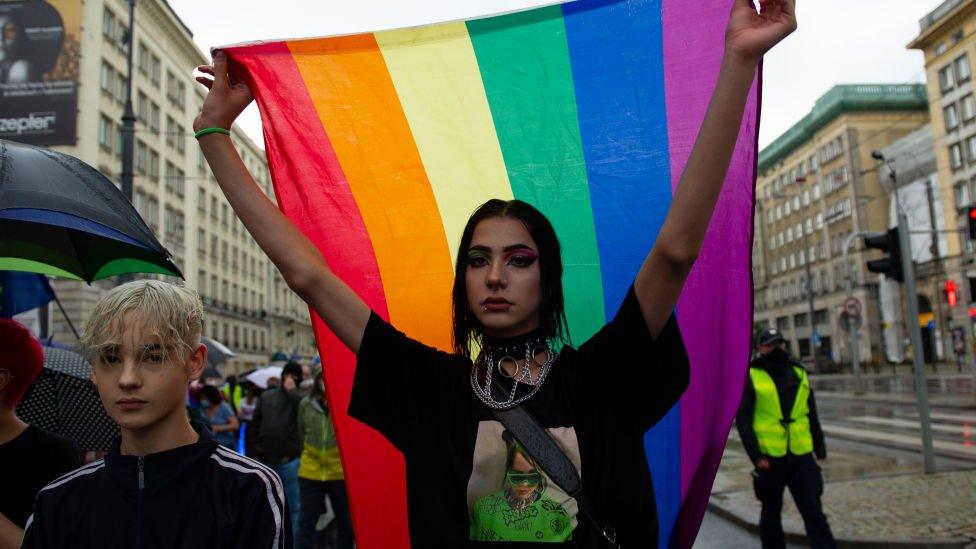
point(351, 88)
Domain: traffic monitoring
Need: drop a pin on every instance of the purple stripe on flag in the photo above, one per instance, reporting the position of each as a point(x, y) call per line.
point(716, 305)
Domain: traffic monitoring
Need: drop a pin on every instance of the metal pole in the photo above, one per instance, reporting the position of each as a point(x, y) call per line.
point(851, 321)
point(911, 299)
point(968, 338)
point(129, 123)
point(128, 114)
point(814, 340)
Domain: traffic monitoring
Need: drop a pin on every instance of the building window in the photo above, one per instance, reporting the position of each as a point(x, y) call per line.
point(789, 234)
point(108, 24)
point(121, 87)
point(769, 217)
point(106, 133)
point(955, 156)
point(118, 140)
point(819, 220)
point(143, 58)
point(962, 68)
point(971, 149)
point(951, 117)
point(766, 192)
point(202, 199)
point(779, 213)
point(155, 69)
point(153, 165)
point(947, 79)
point(806, 198)
point(180, 139)
point(786, 208)
point(153, 117)
point(108, 78)
point(968, 108)
point(808, 226)
point(783, 323)
point(170, 131)
point(175, 90)
point(201, 241)
point(961, 191)
point(142, 107)
point(142, 157)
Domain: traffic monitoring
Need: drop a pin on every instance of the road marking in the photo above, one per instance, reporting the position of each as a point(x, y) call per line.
point(892, 422)
point(912, 442)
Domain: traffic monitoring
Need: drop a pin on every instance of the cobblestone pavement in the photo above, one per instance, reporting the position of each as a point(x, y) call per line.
point(868, 497)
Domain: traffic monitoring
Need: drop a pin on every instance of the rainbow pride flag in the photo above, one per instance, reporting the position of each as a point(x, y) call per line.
point(382, 144)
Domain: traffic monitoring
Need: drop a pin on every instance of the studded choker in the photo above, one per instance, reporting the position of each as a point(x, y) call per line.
point(499, 358)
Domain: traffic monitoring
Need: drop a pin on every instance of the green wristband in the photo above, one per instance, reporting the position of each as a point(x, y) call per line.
point(207, 131)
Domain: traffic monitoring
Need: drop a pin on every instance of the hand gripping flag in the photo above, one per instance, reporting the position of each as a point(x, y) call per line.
point(381, 145)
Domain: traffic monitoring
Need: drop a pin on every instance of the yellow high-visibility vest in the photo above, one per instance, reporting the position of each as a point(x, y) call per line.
point(775, 434)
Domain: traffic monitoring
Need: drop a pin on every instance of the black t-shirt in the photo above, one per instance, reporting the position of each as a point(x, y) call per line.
point(28, 463)
point(598, 401)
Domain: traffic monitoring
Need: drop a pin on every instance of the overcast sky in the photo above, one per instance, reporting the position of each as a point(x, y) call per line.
point(838, 41)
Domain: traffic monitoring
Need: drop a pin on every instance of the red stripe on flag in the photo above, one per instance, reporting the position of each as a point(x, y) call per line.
point(313, 192)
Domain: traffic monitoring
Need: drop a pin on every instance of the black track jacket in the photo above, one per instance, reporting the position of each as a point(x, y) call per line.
point(199, 495)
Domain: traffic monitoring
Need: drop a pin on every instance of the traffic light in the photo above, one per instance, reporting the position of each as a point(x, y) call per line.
point(950, 290)
point(972, 222)
point(886, 242)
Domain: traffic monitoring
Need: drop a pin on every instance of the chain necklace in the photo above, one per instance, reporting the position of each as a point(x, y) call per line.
point(492, 357)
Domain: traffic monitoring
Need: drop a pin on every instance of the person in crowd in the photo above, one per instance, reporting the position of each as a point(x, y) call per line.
point(166, 482)
point(320, 473)
point(223, 422)
point(277, 441)
point(233, 392)
point(508, 303)
point(780, 430)
point(29, 457)
point(245, 413)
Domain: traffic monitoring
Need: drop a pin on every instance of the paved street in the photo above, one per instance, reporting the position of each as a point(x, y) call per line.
point(718, 533)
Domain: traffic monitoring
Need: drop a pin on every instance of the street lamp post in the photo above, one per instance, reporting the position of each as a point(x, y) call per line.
point(128, 114)
point(129, 122)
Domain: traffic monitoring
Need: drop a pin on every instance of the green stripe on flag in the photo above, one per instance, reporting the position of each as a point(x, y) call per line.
point(524, 63)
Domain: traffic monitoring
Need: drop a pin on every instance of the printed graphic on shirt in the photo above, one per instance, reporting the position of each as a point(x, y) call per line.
point(510, 498)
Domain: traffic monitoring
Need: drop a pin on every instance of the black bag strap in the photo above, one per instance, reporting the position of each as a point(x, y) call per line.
point(556, 464)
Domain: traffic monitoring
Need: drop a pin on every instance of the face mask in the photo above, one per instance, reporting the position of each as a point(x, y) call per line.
point(204, 403)
point(778, 355)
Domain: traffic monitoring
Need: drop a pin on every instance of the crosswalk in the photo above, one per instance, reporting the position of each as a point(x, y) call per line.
point(953, 434)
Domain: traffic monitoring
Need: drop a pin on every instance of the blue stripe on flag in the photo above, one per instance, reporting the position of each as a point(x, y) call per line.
point(616, 51)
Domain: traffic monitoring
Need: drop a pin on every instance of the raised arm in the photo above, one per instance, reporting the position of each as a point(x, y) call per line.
point(299, 261)
point(748, 36)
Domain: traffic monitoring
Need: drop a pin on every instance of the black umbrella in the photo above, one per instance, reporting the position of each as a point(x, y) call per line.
point(217, 352)
point(59, 216)
point(63, 400)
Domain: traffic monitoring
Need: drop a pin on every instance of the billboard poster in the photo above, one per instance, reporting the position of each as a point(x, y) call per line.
point(40, 51)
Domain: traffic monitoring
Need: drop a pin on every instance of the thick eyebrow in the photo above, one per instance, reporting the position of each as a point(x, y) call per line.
point(506, 249)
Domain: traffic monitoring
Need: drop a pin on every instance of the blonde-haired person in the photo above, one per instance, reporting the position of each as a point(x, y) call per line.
point(167, 482)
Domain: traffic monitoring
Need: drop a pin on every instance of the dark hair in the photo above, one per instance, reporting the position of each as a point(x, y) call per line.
point(211, 393)
point(552, 314)
point(292, 369)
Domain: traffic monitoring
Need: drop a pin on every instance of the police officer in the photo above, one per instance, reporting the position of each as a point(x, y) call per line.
point(778, 424)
